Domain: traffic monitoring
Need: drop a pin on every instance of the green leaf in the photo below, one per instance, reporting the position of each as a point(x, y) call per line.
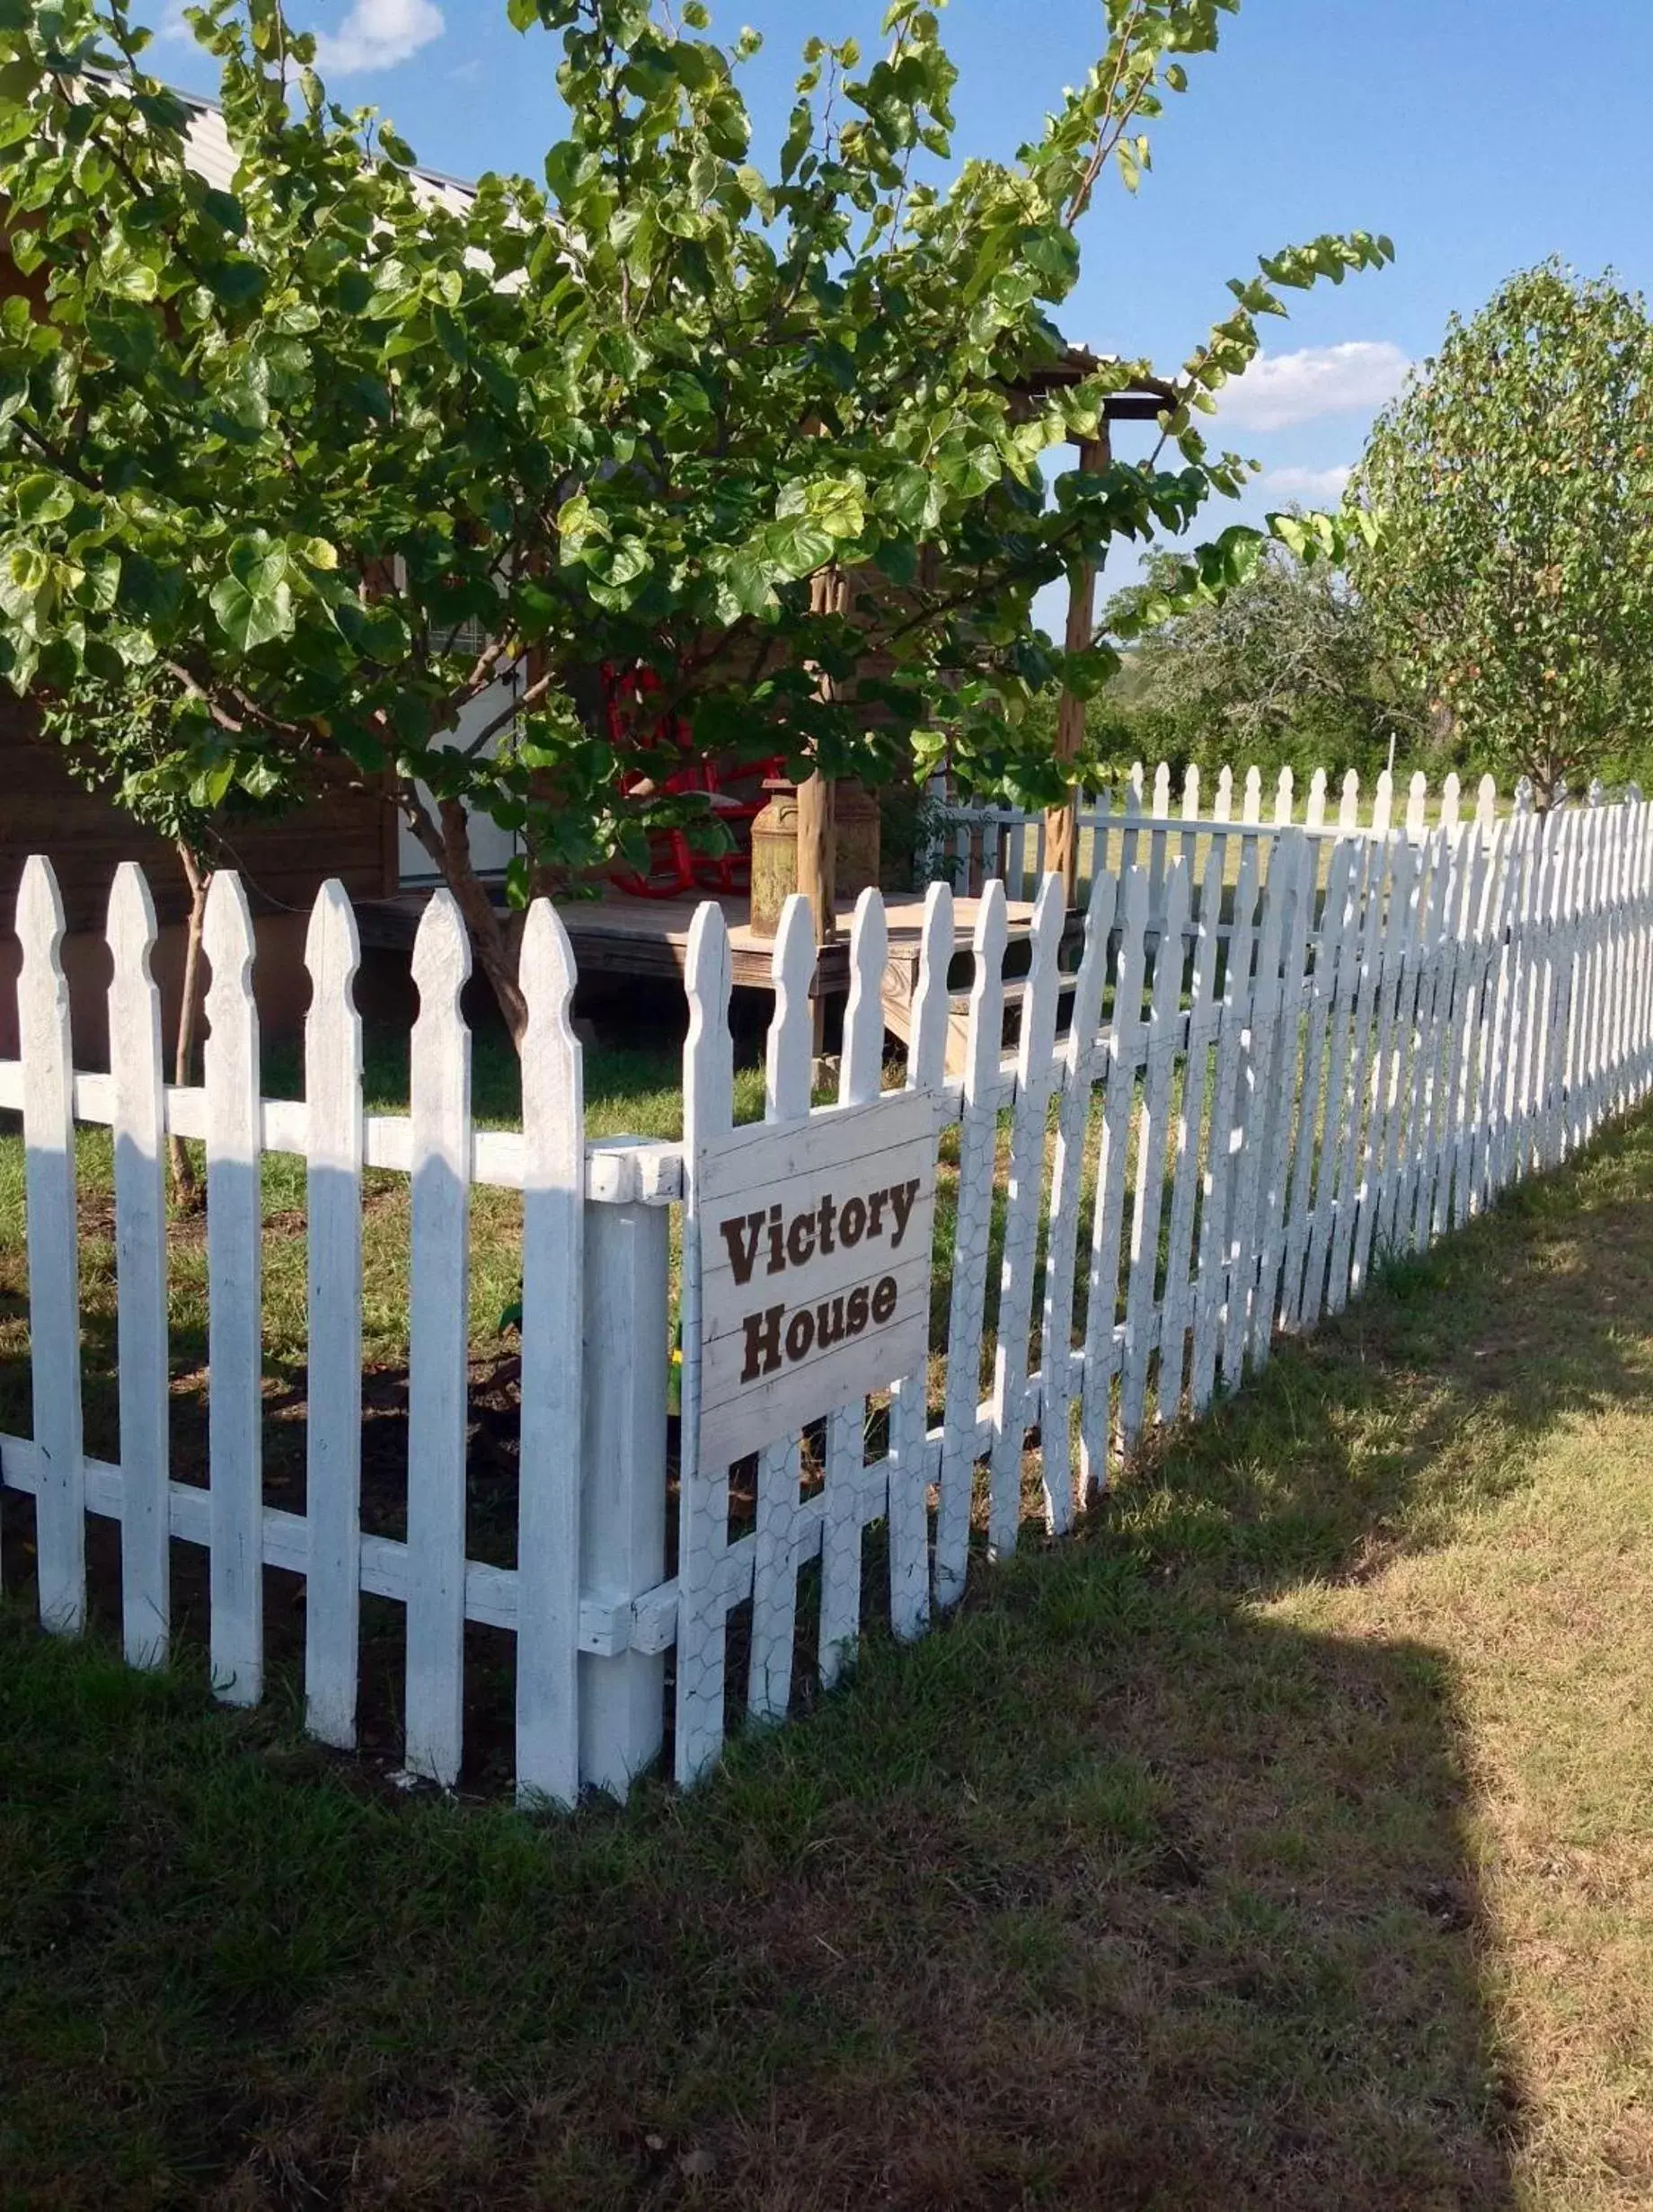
point(798, 545)
point(911, 500)
point(251, 615)
point(41, 499)
point(236, 283)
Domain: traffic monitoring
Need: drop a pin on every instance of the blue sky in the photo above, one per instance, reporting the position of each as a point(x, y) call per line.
point(1480, 135)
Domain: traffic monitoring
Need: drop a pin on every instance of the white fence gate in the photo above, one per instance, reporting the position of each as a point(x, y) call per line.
point(1214, 1128)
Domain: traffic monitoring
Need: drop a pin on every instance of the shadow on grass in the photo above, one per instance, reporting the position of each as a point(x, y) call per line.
point(1123, 1889)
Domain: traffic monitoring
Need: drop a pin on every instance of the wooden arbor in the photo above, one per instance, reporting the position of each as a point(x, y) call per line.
point(1142, 401)
point(1145, 401)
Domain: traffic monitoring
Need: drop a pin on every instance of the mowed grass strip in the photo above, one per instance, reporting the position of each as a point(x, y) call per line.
point(1284, 1840)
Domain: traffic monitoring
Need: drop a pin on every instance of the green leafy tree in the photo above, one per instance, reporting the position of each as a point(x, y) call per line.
point(275, 456)
point(135, 762)
point(1512, 575)
point(1285, 667)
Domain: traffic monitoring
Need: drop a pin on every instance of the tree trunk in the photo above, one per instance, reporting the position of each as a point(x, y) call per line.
point(186, 1184)
point(494, 936)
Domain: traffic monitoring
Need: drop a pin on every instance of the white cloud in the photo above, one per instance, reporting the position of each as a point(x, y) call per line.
point(1281, 389)
point(377, 34)
point(1312, 485)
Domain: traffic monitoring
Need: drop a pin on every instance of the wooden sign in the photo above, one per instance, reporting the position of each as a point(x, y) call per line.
point(815, 1258)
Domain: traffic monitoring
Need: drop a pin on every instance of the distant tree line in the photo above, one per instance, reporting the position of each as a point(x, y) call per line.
point(1496, 609)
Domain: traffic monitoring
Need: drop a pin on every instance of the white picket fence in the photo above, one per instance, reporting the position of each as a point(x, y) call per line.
point(976, 843)
point(1221, 1139)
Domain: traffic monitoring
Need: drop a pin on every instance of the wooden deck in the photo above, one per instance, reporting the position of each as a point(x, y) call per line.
point(620, 936)
point(617, 936)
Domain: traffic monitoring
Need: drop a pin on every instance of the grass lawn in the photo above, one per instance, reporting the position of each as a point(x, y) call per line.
point(1284, 1840)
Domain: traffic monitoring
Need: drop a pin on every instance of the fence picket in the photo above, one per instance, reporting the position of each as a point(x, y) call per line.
point(137, 1076)
point(1474, 1080)
point(1294, 862)
point(1314, 1130)
point(972, 1242)
point(848, 1506)
point(1160, 1052)
point(1256, 1046)
point(1067, 1176)
point(1433, 1009)
point(788, 1060)
point(1397, 1066)
point(1108, 1211)
point(1205, 1011)
point(910, 1407)
point(333, 1426)
point(702, 1525)
point(554, 1346)
point(1210, 1293)
point(1540, 983)
point(1353, 1105)
point(1473, 955)
point(439, 1346)
point(234, 1277)
point(1035, 1073)
point(54, 1280)
point(1397, 937)
point(1496, 1010)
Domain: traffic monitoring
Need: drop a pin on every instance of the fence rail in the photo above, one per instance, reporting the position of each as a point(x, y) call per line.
point(1256, 1095)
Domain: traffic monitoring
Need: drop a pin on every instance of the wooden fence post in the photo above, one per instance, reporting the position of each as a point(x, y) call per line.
point(555, 1357)
point(623, 1490)
point(234, 1314)
point(139, 1107)
point(54, 1280)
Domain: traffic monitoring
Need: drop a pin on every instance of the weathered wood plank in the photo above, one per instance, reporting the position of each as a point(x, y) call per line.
point(438, 1334)
point(553, 1348)
point(702, 1535)
point(972, 1236)
point(1160, 1055)
point(54, 1284)
point(137, 1079)
point(1205, 1011)
point(909, 1478)
point(1125, 1043)
point(332, 1426)
point(1067, 1174)
point(1036, 1075)
point(234, 1271)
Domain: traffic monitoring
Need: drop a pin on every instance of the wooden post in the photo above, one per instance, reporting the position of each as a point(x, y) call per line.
point(817, 809)
point(817, 854)
point(622, 1500)
point(817, 825)
point(1062, 822)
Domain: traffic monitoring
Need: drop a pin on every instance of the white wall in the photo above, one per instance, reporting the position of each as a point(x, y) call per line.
point(491, 847)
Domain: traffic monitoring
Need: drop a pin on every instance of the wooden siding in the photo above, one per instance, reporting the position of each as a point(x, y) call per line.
point(282, 862)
